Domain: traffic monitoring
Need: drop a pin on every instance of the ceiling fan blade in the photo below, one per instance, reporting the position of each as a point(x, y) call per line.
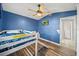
point(32, 10)
point(34, 15)
point(37, 15)
point(46, 13)
point(43, 8)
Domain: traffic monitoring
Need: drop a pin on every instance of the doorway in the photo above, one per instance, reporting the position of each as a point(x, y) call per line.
point(68, 32)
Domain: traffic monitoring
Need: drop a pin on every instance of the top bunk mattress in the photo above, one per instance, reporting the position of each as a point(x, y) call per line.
point(16, 35)
point(14, 32)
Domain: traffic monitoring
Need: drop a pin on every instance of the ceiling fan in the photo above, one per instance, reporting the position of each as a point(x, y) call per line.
point(41, 11)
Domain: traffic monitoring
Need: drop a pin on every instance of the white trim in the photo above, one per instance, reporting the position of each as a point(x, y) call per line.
point(43, 44)
point(49, 41)
point(77, 29)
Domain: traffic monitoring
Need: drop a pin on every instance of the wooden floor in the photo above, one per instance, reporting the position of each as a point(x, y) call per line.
point(54, 50)
point(45, 49)
point(25, 52)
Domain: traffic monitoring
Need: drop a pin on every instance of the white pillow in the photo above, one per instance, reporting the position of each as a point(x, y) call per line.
point(25, 31)
point(13, 31)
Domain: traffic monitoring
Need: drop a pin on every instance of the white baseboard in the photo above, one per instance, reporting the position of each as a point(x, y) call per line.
point(49, 41)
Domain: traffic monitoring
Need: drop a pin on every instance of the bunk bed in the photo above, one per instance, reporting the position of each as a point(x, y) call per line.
point(14, 40)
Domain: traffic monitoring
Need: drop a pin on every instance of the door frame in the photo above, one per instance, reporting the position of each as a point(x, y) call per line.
point(75, 33)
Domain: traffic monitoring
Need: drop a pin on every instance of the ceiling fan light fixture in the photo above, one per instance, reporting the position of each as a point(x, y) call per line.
point(39, 14)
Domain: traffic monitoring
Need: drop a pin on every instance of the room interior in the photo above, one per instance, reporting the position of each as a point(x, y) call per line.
point(33, 29)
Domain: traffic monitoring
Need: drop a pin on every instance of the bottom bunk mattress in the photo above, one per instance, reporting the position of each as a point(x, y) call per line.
point(11, 42)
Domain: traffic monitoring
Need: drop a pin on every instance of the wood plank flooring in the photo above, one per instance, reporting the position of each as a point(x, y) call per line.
point(50, 50)
point(54, 50)
point(24, 51)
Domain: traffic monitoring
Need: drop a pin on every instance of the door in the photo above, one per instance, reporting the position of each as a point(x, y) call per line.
point(68, 32)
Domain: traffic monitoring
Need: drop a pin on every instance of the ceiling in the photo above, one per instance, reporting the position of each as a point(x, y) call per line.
point(22, 8)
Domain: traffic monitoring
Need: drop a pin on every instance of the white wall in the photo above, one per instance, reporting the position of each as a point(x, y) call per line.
point(78, 29)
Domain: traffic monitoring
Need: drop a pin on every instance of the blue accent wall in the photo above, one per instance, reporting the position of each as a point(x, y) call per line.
point(0, 11)
point(13, 21)
point(49, 32)
point(0, 18)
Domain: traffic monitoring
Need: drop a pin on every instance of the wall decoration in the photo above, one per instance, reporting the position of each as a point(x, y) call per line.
point(45, 22)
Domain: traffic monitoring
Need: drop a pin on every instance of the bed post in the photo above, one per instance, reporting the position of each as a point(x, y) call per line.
point(36, 44)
